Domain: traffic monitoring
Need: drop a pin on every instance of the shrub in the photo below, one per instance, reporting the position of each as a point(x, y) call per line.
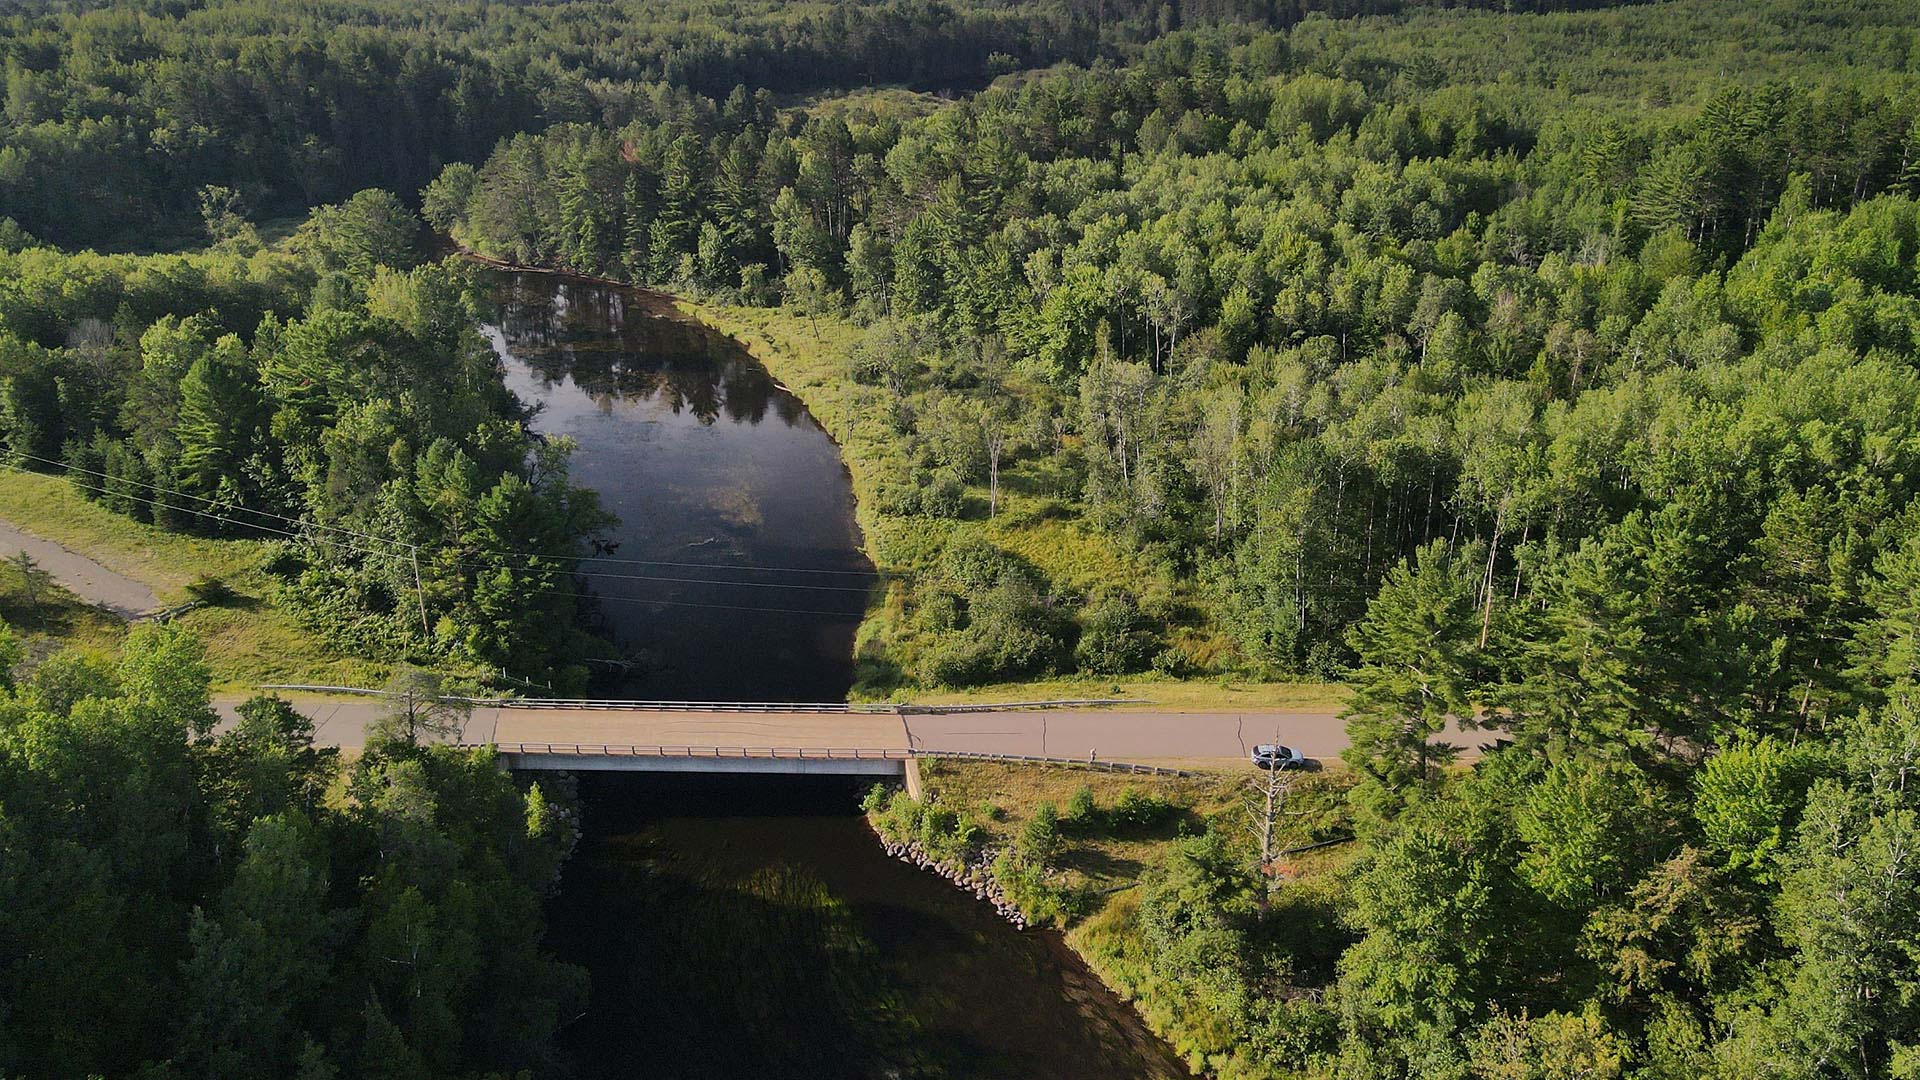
point(1010, 632)
point(946, 835)
point(940, 613)
point(1029, 634)
point(211, 590)
point(1172, 663)
point(943, 497)
point(1115, 638)
point(976, 565)
point(1027, 884)
point(960, 661)
point(1040, 836)
point(283, 560)
point(1082, 812)
point(900, 500)
point(1136, 809)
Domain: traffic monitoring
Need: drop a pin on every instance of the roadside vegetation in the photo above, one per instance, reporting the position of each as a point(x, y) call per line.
point(45, 618)
point(251, 637)
point(1152, 692)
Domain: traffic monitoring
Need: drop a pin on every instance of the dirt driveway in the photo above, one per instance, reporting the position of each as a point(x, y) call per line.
point(80, 575)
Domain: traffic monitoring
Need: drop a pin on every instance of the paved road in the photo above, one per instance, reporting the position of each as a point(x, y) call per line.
point(80, 575)
point(1115, 736)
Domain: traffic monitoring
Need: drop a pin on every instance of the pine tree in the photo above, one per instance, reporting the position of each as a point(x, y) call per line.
point(1416, 648)
point(635, 228)
point(221, 411)
point(1886, 645)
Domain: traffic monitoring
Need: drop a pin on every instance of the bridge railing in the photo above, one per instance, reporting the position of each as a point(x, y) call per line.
point(682, 706)
point(616, 704)
point(836, 753)
point(1036, 759)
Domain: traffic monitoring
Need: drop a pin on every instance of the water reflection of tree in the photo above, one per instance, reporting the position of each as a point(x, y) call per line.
point(766, 974)
point(606, 341)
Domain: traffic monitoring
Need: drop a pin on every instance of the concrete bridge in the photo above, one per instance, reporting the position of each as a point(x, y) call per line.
point(839, 738)
point(692, 737)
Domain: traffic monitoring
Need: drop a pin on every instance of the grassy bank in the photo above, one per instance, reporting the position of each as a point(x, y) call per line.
point(1038, 523)
point(1106, 853)
point(250, 639)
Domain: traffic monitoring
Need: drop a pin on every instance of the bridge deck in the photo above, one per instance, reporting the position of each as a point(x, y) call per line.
point(1122, 735)
point(637, 727)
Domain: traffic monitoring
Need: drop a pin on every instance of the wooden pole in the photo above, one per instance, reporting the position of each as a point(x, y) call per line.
point(420, 595)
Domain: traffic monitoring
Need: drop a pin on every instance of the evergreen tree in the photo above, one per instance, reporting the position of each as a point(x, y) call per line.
point(1418, 669)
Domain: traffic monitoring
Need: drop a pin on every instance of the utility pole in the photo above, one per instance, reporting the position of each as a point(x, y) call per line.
point(420, 595)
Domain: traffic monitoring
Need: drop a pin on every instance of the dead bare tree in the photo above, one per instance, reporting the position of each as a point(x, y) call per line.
point(1265, 800)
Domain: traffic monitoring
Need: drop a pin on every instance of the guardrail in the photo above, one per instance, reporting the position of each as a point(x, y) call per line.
point(1036, 759)
point(833, 753)
point(600, 703)
point(853, 753)
point(313, 688)
point(1014, 706)
point(616, 704)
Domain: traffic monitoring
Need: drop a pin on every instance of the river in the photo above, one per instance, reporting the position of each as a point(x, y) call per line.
point(738, 572)
point(753, 926)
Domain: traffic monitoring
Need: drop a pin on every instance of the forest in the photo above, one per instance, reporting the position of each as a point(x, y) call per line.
point(1587, 410)
point(116, 113)
point(1269, 333)
point(333, 398)
point(176, 903)
point(1549, 369)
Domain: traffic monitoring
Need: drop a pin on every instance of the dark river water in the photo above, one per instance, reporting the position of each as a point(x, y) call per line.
point(738, 574)
point(751, 926)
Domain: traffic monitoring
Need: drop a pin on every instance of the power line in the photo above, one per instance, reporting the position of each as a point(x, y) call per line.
point(302, 522)
point(402, 557)
point(714, 607)
point(306, 524)
point(603, 597)
point(724, 566)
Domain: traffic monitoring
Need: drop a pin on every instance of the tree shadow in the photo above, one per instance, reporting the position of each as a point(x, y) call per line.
point(53, 613)
point(1095, 863)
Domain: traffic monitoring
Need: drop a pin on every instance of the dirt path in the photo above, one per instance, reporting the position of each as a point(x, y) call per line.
point(80, 575)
